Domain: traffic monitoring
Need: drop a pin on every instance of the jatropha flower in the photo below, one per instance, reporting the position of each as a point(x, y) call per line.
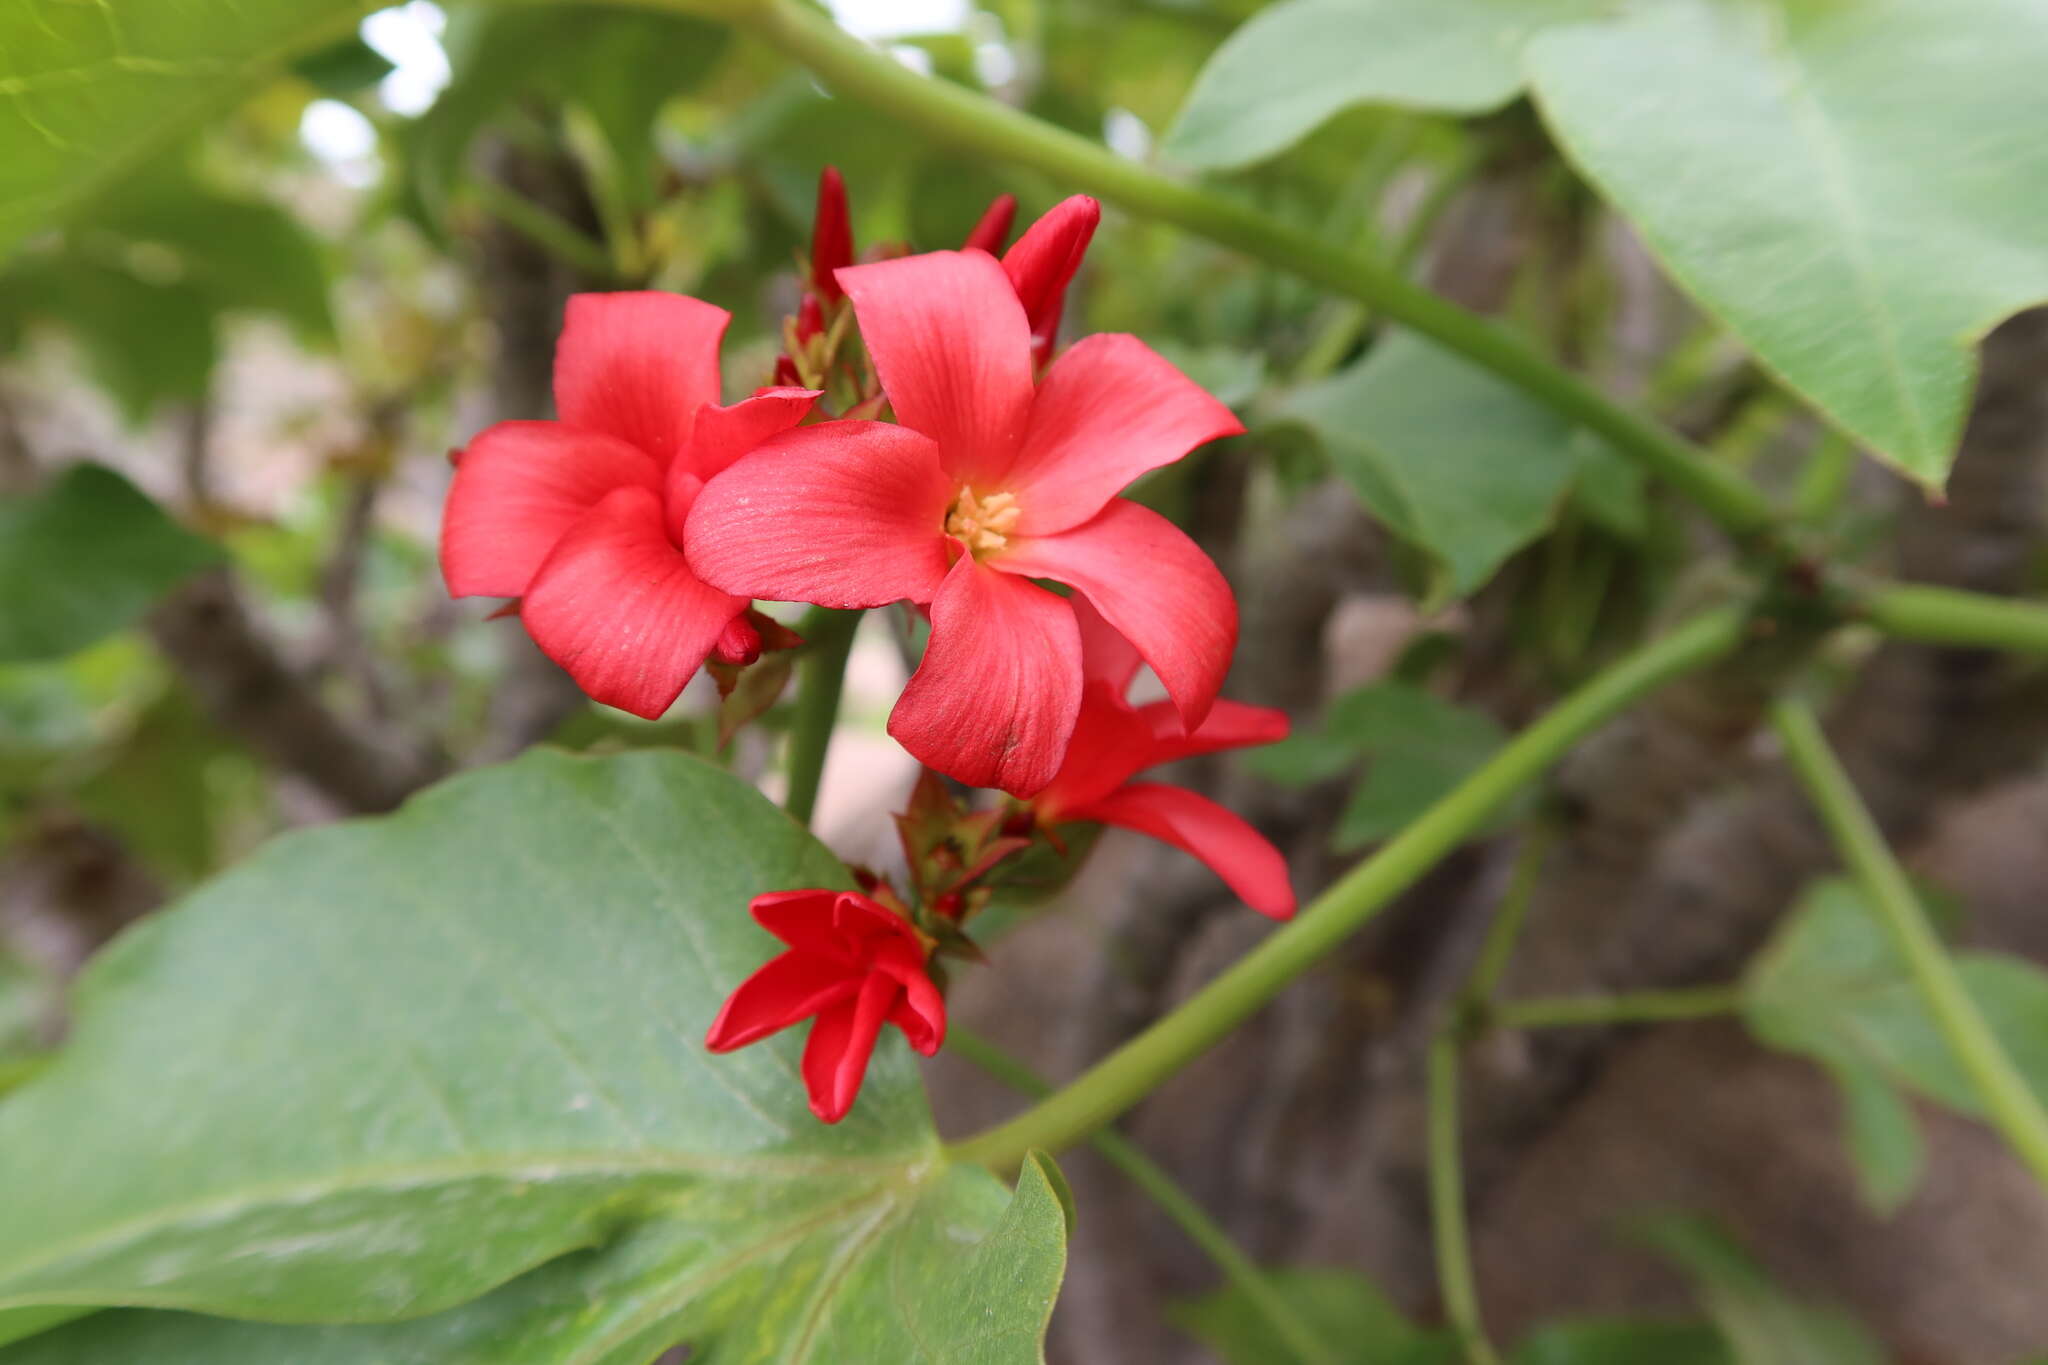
point(582, 518)
point(852, 965)
point(1114, 741)
point(993, 479)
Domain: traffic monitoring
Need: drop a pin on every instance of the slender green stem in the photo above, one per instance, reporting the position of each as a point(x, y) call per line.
point(1513, 913)
point(1629, 1007)
point(1447, 1206)
point(1140, 1065)
point(1172, 1200)
point(1948, 616)
point(1826, 476)
point(544, 228)
point(943, 109)
point(2009, 1103)
point(828, 639)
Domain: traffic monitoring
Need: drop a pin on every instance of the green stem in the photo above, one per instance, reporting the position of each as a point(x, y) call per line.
point(1140, 1065)
point(828, 639)
point(1948, 616)
point(1825, 478)
point(977, 123)
point(2009, 1103)
point(1514, 911)
point(1447, 1206)
point(1172, 1200)
point(544, 228)
point(1630, 1007)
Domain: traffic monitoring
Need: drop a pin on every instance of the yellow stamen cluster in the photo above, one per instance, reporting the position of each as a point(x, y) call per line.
point(983, 523)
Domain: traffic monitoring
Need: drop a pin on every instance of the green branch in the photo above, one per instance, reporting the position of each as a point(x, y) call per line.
point(941, 109)
point(1172, 1200)
point(1140, 1065)
point(828, 639)
point(1447, 1206)
point(2009, 1103)
point(1949, 616)
point(1631, 1007)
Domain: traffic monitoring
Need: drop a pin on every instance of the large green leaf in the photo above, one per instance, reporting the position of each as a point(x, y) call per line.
point(382, 1068)
point(82, 558)
point(1832, 987)
point(94, 88)
point(1857, 189)
point(145, 340)
point(1762, 1323)
point(1295, 64)
point(1450, 458)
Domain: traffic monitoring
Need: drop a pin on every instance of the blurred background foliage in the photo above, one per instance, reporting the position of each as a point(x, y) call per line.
point(276, 328)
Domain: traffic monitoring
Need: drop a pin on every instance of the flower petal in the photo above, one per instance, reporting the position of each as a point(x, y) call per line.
point(638, 365)
point(1155, 586)
point(843, 514)
point(1229, 725)
point(787, 988)
point(995, 699)
point(1106, 656)
point(518, 488)
point(802, 919)
point(836, 1056)
point(831, 234)
point(721, 435)
point(1043, 262)
point(993, 229)
point(1235, 851)
point(1110, 409)
point(617, 606)
point(1109, 747)
point(953, 352)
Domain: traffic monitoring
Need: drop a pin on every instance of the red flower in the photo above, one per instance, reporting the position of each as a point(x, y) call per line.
point(582, 518)
point(851, 963)
point(991, 481)
point(1114, 741)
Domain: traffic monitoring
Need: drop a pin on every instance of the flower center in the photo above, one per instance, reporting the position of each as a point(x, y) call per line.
point(983, 524)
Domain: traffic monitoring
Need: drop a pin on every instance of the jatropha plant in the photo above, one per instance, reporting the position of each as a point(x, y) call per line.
point(925, 445)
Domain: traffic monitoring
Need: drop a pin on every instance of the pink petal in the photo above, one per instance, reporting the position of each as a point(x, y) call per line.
point(994, 701)
point(1110, 409)
point(1043, 262)
point(836, 1057)
point(617, 606)
point(638, 366)
point(1155, 586)
point(721, 435)
point(1229, 725)
point(843, 514)
point(518, 489)
point(1235, 851)
point(1109, 747)
point(1106, 656)
point(993, 229)
point(789, 987)
point(953, 352)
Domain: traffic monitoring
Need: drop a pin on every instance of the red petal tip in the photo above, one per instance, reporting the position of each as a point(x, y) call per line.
point(831, 235)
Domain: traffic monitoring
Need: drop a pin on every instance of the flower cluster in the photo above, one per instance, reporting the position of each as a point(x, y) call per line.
point(637, 530)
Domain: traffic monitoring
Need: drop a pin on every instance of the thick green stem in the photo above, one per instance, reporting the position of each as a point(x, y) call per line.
point(942, 109)
point(2009, 1103)
point(1632, 1007)
point(1447, 1206)
point(1949, 616)
point(828, 639)
point(1139, 1066)
point(1172, 1200)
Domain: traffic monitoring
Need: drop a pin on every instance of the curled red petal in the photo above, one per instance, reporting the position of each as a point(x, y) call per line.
point(1154, 586)
point(788, 988)
point(1236, 852)
point(517, 490)
point(1229, 725)
point(637, 365)
point(841, 1042)
point(993, 230)
point(953, 352)
point(831, 235)
point(617, 606)
point(1043, 262)
point(993, 702)
point(803, 919)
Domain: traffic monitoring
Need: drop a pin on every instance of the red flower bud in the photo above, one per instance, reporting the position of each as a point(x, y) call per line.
point(739, 643)
point(831, 235)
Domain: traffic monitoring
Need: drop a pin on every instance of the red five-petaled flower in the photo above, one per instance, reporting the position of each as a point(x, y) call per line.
point(992, 480)
point(1114, 741)
point(582, 518)
point(851, 964)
